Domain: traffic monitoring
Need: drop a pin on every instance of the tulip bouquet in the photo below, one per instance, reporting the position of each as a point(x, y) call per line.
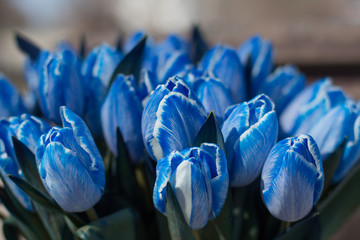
point(174, 140)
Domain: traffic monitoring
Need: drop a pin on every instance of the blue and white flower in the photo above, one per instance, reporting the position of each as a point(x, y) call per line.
point(250, 130)
point(256, 56)
point(199, 178)
point(70, 164)
point(292, 178)
point(11, 103)
point(283, 85)
point(214, 96)
point(224, 63)
point(122, 109)
point(97, 70)
point(9, 165)
point(61, 84)
point(171, 119)
point(309, 106)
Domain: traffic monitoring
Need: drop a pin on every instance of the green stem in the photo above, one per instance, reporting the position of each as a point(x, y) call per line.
point(92, 215)
point(284, 226)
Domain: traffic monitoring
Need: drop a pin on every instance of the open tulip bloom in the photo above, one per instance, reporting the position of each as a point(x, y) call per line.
point(174, 139)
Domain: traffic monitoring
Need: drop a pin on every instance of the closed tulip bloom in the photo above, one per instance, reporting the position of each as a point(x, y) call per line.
point(9, 165)
point(250, 130)
point(283, 85)
point(214, 96)
point(61, 84)
point(97, 70)
point(225, 64)
point(292, 178)
point(28, 129)
point(256, 55)
point(309, 106)
point(70, 164)
point(122, 109)
point(11, 103)
point(199, 178)
point(331, 129)
point(171, 119)
point(351, 154)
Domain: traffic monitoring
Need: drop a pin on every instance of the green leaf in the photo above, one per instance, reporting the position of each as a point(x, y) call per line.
point(340, 203)
point(12, 225)
point(131, 63)
point(178, 227)
point(17, 210)
point(27, 162)
point(35, 194)
point(220, 227)
point(199, 46)
point(27, 46)
point(122, 224)
point(82, 48)
point(42, 199)
point(331, 163)
point(119, 42)
point(126, 173)
point(210, 132)
point(307, 228)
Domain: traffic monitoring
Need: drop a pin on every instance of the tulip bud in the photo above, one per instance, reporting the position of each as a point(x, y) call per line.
point(224, 63)
point(250, 130)
point(199, 178)
point(11, 103)
point(9, 165)
point(97, 71)
point(309, 106)
point(28, 130)
point(214, 96)
point(122, 108)
point(61, 84)
point(70, 164)
point(171, 119)
point(283, 85)
point(292, 178)
point(256, 55)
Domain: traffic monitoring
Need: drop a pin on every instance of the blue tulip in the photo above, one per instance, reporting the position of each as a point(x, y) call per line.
point(341, 121)
point(256, 55)
point(165, 59)
point(11, 103)
point(250, 130)
point(331, 129)
point(122, 108)
point(214, 96)
point(148, 83)
point(70, 164)
point(292, 178)
point(32, 72)
point(199, 178)
point(171, 119)
point(9, 165)
point(309, 106)
point(97, 71)
point(61, 84)
point(28, 129)
point(134, 39)
point(283, 85)
point(225, 64)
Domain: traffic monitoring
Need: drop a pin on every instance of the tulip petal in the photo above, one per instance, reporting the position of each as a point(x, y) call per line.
point(126, 116)
point(68, 180)
point(10, 99)
point(219, 176)
point(84, 139)
point(178, 121)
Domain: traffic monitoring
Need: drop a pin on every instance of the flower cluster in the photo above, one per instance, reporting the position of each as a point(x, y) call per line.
point(149, 110)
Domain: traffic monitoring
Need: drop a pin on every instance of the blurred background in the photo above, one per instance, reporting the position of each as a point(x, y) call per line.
point(321, 37)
